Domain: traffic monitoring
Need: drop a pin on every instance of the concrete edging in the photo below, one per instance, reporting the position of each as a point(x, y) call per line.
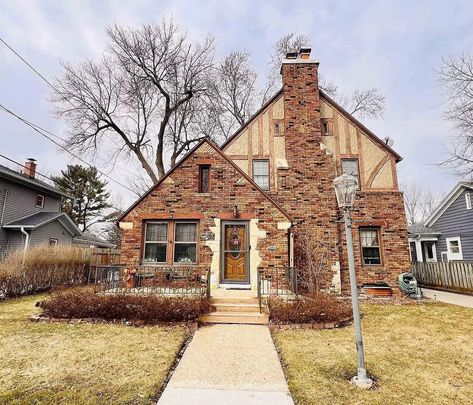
point(317, 326)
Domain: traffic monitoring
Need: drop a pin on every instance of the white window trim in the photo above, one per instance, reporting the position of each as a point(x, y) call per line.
point(434, 252)
point(268, 175)
point(468, 201)
point(454, 256)
point(186, 243)
point(43, 200)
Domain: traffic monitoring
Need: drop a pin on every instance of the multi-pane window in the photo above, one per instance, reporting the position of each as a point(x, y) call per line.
point(261, 173)
point(156, 242)
point(170, 242)
point(185, 242)
point(350, 166)
point(454, 248)
point(204, 179)
point(40, 200)
point(370, 246)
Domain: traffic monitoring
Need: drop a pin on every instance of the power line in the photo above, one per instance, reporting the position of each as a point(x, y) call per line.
point(55, 89)
point(38, 130)
point(24, 167)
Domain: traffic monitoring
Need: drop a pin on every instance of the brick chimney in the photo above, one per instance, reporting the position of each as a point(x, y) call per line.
point(30, 168)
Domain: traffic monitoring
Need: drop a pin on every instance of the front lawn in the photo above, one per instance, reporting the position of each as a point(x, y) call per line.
point(46, 363)
point(419, 354)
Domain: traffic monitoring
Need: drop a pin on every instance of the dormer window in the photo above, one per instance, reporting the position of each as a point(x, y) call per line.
point(40, 201)
point(204, 178)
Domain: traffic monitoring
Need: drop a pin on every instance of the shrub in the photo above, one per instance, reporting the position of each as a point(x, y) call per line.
point(44, 267)
point(316, 308)
point(85, 302)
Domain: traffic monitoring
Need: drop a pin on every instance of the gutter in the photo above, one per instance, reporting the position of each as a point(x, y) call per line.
point(27, 242)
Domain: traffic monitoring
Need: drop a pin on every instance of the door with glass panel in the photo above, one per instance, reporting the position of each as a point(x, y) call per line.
point(235, 252)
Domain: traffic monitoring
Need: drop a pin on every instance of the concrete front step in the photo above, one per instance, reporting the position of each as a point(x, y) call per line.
point(236, 307)
point(234, 300)
point(254, 318)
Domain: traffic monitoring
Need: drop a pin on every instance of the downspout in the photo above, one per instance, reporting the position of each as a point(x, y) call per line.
point(27, 242)
point(3, 207)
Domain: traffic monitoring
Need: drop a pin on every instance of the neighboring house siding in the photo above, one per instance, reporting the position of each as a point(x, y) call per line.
point(21, 201)
point(456, 221)
point(55, 229)
point(3, 232)
point(16, 240)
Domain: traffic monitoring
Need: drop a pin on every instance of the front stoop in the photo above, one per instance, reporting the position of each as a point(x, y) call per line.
point(235, 310)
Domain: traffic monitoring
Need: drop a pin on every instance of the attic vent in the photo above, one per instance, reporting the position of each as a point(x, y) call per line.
point(468, 201)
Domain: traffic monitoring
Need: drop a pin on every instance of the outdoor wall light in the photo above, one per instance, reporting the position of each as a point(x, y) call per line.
point(235, 211)
point(345, 189)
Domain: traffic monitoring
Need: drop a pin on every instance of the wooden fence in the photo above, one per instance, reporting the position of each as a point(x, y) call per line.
point(102, 257)
point(450, 276)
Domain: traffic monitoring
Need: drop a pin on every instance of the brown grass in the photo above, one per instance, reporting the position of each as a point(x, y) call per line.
point(44, 267)
point(418, 354)
point(45, 363)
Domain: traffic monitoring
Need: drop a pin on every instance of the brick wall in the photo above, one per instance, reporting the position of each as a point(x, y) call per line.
point(177, 197)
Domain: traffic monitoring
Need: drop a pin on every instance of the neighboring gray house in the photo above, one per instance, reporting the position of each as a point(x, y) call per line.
point(30, 212)
point(447, 234)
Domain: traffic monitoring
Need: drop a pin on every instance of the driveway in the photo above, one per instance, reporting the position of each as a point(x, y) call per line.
point(448, 297)
point(229, 364)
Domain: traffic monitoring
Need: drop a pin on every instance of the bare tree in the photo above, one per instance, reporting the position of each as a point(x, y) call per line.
point(132, 94)
point(456, 74)
point(419, 201)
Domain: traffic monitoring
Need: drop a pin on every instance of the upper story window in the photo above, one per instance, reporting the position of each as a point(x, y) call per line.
point(468, 201)
point(370, 246)
point(326, 127)
point(40, 201)
point(278, 129)
point(204, 179)
point(169, 242)
point(350, 166)
point(261, 173)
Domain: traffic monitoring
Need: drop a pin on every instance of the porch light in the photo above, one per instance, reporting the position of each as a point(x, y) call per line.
point(345, 189)
point(235, 211)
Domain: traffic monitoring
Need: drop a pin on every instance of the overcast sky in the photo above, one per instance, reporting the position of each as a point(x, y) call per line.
point(392, 45)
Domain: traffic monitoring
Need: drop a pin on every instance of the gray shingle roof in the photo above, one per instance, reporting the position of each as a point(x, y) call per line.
point(420, 228)
point(35, 219)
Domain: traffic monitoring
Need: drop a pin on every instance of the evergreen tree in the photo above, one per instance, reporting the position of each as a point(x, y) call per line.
point(88, 196)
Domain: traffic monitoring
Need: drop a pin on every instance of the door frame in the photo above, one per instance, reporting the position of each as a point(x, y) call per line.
point(222, 252)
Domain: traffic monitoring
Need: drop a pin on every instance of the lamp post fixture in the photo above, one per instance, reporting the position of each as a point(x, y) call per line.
point(345, 189)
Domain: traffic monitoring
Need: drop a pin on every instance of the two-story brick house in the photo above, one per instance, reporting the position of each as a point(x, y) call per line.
point(236, 208)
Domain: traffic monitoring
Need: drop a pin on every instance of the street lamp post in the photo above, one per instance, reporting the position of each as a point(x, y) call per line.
point(345, 190)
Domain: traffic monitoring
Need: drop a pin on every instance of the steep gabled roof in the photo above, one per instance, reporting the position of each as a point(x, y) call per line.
point(358, 124)
point(226, 158)
point(252, 118)
point(448, 201)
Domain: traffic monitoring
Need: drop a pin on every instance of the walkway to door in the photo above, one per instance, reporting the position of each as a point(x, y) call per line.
point(229, 364)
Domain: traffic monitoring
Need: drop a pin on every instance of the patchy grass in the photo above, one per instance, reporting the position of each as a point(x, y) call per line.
point(45, 363)
point(418, 354)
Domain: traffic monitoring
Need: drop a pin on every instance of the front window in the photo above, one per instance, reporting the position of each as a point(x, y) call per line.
point(454, 248)
point(156, 242)
point(370, 246)
point(40, 201)
point(185, 242)
point(350, 166)
point(261, 173)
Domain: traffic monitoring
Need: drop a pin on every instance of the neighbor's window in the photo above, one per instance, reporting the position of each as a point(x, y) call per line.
point(204, 178)
point(156, 242)
point(40, 200)
point(261, 173)
point(170, 242)
point(370, 246)
point(53, 242)
point(468, 201)
point(454, 248)
point(185, 242)
point(350, 166)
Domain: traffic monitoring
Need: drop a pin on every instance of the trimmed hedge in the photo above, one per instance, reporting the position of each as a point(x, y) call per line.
point(85, 302)
point(317, 308)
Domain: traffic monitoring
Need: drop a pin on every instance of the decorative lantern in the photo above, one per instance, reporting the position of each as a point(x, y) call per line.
point(345, 189)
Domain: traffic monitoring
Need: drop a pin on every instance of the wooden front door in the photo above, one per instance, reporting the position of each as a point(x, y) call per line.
point(235, 249)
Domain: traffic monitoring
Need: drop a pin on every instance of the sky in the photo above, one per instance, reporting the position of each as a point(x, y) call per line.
point(395, 46)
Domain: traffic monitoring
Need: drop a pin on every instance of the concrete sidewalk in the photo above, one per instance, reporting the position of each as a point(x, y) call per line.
point(448, 297)
point(229, 364)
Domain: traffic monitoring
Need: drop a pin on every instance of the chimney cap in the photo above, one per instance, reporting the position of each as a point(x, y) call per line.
point(291, 55)
point(31, 159)
point(305, 51)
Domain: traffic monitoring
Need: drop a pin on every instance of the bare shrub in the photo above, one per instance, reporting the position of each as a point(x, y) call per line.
point(85, 302)
point(315, 308)
point(310, 258)
point(43, 267)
